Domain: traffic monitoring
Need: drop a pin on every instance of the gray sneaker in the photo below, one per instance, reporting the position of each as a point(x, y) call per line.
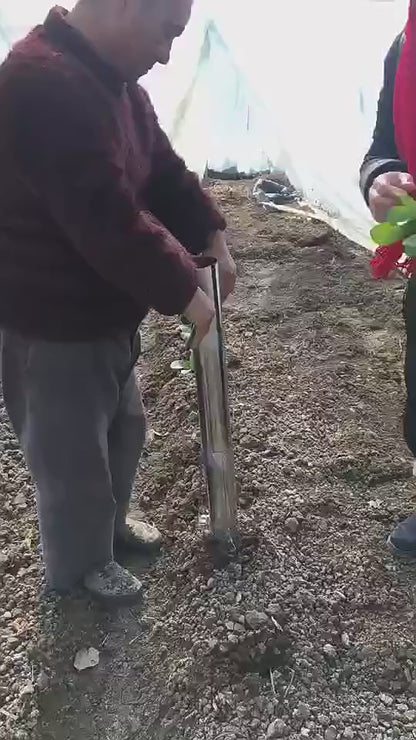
point(114, 585)
point(135, 535)
point(403, 538)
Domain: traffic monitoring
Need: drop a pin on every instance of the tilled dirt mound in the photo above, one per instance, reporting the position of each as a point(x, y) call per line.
point(308, 629)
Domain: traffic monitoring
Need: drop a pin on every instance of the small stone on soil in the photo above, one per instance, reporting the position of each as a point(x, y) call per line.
point(255, 619)
point(277, 729)
point(292, 525)
point(331, 733)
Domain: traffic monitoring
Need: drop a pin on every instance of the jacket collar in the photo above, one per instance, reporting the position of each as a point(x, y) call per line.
point(66, 38)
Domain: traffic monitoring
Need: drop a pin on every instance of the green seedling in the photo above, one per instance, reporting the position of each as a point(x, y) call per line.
point(399, 227)
point(185, 332)
point(184, 367)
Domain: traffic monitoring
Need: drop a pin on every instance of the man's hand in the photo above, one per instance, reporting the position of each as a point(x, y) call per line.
point(200, 313)
point(385, 192)
point(226, 266)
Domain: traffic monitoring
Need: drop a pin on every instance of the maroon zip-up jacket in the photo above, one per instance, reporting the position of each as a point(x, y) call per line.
point(98, 216)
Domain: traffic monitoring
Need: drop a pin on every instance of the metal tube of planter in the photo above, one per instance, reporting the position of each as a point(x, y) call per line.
point(212, 387)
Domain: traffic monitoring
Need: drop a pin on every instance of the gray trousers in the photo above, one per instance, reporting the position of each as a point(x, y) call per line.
point(78, 414)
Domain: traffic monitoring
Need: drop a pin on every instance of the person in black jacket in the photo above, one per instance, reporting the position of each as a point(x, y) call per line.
point(384, 176)
point(383, 173)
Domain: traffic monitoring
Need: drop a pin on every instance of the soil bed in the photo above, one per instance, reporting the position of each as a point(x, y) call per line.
point(309, 629)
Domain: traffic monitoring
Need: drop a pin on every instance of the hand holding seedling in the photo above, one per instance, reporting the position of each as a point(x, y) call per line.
point(386, 191)
point(400, 226)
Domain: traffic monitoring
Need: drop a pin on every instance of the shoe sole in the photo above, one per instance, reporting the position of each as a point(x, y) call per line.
point(411, 555)
point(116, 601)
point(142, 548)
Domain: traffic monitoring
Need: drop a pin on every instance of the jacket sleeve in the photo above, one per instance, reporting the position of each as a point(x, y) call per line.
point(61, 143)
point(383, 155)
point(175, 194)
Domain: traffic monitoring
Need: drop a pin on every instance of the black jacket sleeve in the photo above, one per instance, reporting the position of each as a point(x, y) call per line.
point(383, 155)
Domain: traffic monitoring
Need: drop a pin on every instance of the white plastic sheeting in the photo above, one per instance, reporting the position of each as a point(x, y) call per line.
point(289, 85)
point(292, 84)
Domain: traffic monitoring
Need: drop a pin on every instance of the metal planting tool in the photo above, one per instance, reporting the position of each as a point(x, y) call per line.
point(211, 379)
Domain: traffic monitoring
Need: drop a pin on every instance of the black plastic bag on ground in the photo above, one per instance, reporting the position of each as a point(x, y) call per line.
point(272, 191)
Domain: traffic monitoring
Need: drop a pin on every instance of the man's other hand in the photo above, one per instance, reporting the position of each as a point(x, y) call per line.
point(200, 313)
point(226, 266)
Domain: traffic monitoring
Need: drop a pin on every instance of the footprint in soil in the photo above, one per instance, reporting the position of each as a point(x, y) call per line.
point(68, 701)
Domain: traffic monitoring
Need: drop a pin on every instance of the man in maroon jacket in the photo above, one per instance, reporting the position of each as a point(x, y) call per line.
point(99, 220)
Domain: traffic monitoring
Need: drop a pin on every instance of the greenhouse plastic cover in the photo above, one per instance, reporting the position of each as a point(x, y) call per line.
point(290, 85)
